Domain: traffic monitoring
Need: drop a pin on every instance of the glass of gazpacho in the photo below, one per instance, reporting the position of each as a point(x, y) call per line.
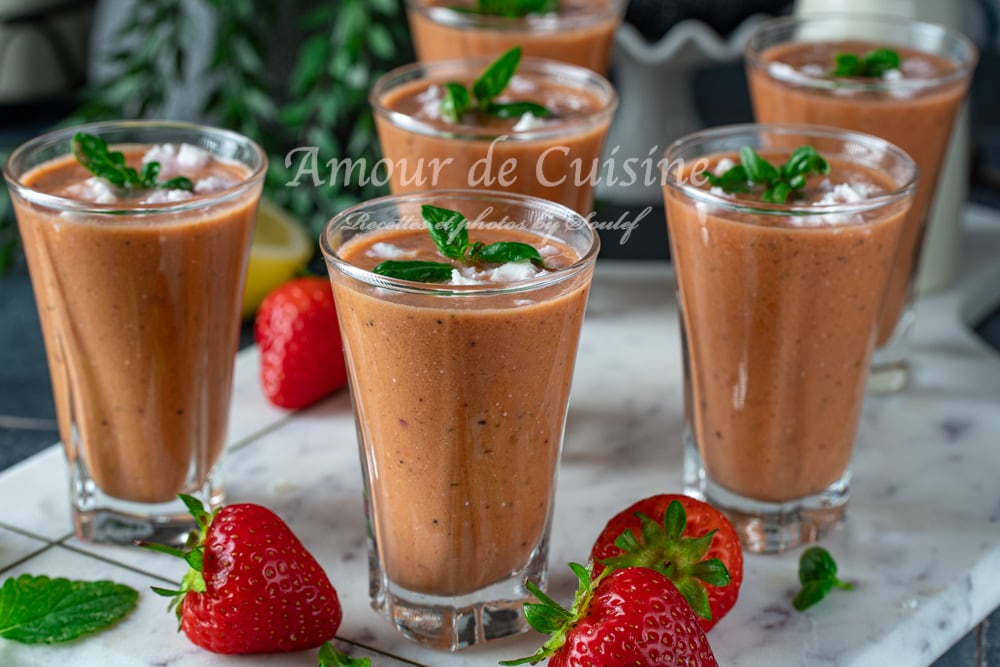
point(579, 32)
point(896, 78)
point(538, 129)
point(460, 313)
point(137, 236)
point(783, 238)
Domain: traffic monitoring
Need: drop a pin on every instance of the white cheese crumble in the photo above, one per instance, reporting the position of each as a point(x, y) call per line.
point(430, 102)
point(528, 121)
point(384, 250)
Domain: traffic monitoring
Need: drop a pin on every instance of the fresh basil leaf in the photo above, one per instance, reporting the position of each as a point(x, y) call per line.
point(777, 193)
point(516, 8)
point(733, 180)
point(507, 251)
point(41, 610)
point(880, 61)
point(811, 593)
point(818, 576)
point(177, 183)
point(847, 64)
point(331, 657)
point(496, 77)
point(759, 170)
point(416, 270)
point(448, 229)
point(518, 109)
point(455, 102)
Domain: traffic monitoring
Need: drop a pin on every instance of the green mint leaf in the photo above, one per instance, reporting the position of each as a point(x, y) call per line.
point(329, 656)
point(733, 180)
point(496, 77)
point(516, 8)
point(176, 183)
point(40, 610)
point(759, 170)
point(811, 593)
point(847, 64)
point(880, 61)
point(449, 230)
point(518, 109)
point(93, 153)
point(418, 271)
point(506, 251)
point(874, 64)
point(456, 102)
point(818, 576)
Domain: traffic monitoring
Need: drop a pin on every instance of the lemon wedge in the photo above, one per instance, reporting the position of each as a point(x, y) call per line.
point(281, 247)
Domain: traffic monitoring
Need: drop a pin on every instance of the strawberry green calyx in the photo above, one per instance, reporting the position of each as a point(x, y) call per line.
point(663, 548)
point(193, 554)
point(550, 618)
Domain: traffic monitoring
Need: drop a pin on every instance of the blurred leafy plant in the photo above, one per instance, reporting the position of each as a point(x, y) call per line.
point(321, 102)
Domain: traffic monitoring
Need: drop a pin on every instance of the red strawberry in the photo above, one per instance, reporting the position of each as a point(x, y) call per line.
point(624, 617)
point(252, 586)
point(301, 356)
point(685, 539)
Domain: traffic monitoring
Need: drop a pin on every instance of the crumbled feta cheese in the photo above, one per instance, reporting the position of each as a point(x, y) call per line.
point(521, 84)
point(94, 189)
point(514, 271)
point(723, 165)
point(212, 184)
point(387, 251)
point(430, 102)
point(166, 196)
point(528, 121)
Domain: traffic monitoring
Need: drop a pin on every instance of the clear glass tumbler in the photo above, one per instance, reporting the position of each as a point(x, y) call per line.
point(779, 305)
point(460, 395)
point(556, 158)
point(578, 32)
point(139, 296)
point(790, 61)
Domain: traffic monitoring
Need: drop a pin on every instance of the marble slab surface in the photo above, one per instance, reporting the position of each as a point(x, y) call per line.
point(922, 542)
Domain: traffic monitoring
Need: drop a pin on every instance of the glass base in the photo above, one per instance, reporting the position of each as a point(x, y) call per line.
point(769, 527)
point(98, 517)
point(456, 622)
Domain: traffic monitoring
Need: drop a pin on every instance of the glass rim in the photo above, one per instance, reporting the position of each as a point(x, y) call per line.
point(769, 27)
point(543, 69)
point(672, 154)
point(54, 137)
point(574, 221)
point(538, 23)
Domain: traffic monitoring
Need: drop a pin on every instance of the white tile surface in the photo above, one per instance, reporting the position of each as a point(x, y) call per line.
point(921, 543)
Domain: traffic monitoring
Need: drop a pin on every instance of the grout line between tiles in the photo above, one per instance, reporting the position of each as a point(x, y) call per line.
point(35, 536)
point(28, 557)
point(117, 563)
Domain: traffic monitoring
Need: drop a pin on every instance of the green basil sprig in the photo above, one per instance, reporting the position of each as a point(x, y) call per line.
point(818, 576)
point(872, 65)
point(459, 100)
point(510, 8)
point(779, 183)
point(450, 232)
point(93, 153)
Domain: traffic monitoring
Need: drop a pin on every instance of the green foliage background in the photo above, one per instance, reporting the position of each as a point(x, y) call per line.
point(318, 99)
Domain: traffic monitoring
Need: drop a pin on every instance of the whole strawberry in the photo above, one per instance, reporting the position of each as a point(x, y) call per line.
point(252, 587)
point(687, 540)
point(623, 618)
point(301, 357)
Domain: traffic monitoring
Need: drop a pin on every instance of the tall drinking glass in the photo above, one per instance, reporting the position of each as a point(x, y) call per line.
point(460, 392)
point(139, 293)
point(779, 305)
point(790, 65)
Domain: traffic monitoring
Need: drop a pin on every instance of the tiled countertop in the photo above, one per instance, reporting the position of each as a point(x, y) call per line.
point(922, 542)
